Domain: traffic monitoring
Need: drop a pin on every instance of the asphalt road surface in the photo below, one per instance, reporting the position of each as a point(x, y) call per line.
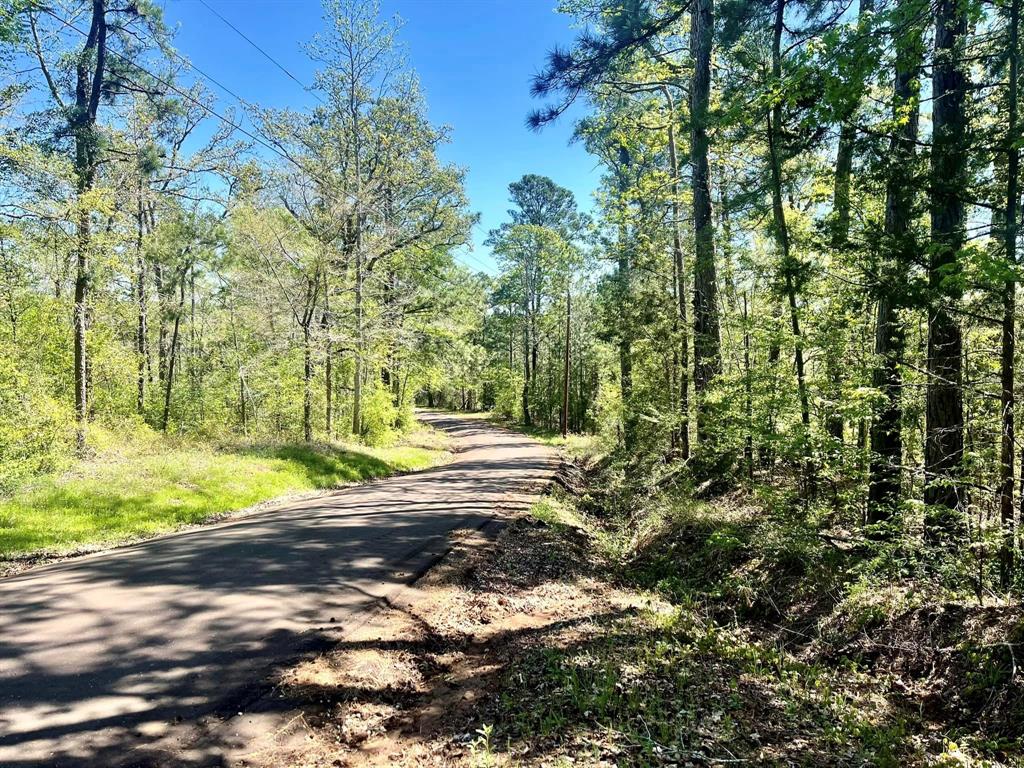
point(105, 656)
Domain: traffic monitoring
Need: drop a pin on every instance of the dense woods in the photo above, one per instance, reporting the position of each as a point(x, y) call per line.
point(176, 265)
point(802, 265)
point(799, 273)
point(776, 347)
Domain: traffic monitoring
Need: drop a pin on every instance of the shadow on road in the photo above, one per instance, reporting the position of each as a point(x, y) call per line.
point(102, 656)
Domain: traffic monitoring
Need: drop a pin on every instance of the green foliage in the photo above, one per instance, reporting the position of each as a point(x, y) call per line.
point(507, 389)
point(763, 632)
point(379, 417)
point(220, 295)
point(142, 484)
point(33, 425)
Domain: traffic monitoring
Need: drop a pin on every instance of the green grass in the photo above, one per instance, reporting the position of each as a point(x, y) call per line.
point(147, 485)
point(684, 681)
point(575, 446)
point(764, 643)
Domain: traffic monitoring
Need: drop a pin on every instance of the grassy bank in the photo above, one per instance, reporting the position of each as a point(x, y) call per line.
point(771, 636)
point(767, 642)
point(612, 627)
point(146, 484)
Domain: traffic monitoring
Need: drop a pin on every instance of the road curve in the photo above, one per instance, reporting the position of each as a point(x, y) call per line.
point(104, 655)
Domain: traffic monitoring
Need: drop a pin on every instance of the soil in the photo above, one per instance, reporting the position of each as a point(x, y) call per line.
point(415, 685)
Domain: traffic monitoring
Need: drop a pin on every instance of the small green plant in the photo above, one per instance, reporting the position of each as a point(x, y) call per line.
point(482, 748)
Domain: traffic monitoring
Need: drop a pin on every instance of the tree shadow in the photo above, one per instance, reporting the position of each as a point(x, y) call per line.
point(98, 653)
point(325, 466)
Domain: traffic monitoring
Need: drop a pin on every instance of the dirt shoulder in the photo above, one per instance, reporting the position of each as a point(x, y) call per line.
point(420, 683)
point(530, 649)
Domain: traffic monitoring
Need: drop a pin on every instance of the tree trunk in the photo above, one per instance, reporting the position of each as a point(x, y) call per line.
point(80, 312)
point(357, 384)
point(679, 273)
point(162, 303)
point(527, 418)
point(835, 338)
point(707, 352)
point(840, 236)
point(564, 421)
point(624, 281)
point(511, 338)
point(788, 263)
point(1009, 332)
point(89, 74)
point(944, 422)
point(834, 344)
point(844, 153)
point(140, 298)
point(886, 436)
point(172, 356)
point(534, 312)
point(242, 410)
point(307, 381)
point(748, 400)
point(325, 328)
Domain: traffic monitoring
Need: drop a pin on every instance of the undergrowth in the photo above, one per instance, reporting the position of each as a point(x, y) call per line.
point(781, 639)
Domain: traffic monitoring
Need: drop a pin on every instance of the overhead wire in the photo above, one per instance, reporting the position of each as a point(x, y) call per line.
point(209, 110)
point(259, 48)
point(184, 94)
point(306, 88)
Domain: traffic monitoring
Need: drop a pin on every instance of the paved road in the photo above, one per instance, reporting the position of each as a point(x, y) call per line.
point(103, 656)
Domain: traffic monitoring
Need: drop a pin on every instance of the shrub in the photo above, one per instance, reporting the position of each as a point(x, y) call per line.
point(35, 429)
point(379, 415)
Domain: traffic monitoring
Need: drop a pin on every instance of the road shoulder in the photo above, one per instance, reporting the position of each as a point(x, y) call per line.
point(418, 683)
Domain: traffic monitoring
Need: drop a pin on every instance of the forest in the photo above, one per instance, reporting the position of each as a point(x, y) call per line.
point(801, 270)
point(167, 269)
point(777, 348)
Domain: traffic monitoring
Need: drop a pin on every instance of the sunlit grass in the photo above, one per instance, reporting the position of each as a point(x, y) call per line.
point(574, 446)
point(153, 485)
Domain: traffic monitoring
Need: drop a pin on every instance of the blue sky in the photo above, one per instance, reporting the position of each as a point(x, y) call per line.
point(474, 58)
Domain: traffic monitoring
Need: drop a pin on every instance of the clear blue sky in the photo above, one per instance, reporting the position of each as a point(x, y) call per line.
point(474, 58)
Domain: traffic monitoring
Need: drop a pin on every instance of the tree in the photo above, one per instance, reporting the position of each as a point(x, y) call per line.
point(944, 438)
point(900, 247)
point(707, 357)
point(529, 252)
point(1008, 344)
point(102, 68)
point(364, 181)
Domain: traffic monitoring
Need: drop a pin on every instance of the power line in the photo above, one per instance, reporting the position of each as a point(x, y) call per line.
point(484, 267)
point(306, 88)
point(210, 111)
point(184, 94)
point(266, 55)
